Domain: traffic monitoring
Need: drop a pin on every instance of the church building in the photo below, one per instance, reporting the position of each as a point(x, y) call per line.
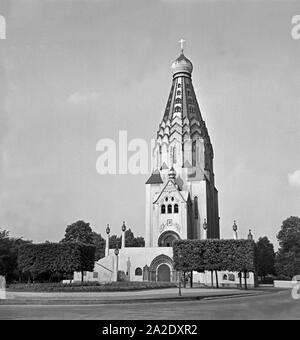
point(181, 197)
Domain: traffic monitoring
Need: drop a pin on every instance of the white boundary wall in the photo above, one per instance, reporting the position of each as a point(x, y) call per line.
point(285, 284)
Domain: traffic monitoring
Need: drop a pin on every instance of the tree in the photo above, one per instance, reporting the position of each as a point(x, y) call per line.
point(114, 242)
point(99, 243)
point(287, 263)
point(212, 259)
point(45, 260)
point(265, 257)
point(132, 241)
point(8, 255)
point(4, 234)
point(289, 235)
point(213, 255)
point(79, 231)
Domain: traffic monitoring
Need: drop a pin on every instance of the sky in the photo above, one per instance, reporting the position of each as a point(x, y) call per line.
point(75, 72)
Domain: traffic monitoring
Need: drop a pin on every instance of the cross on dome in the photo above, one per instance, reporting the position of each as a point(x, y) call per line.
point(182, 42)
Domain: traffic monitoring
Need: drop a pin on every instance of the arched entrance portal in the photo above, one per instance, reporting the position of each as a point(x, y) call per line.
point(164, 273)
point(161, 269)
point(167, 238)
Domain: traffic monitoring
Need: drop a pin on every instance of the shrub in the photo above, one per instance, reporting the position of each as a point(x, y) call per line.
point(89, 286)
point(49, 259)
point(213, 254)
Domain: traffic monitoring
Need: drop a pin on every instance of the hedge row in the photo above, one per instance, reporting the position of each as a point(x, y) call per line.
point(213, 254)
point(51, 258)
point(89, 286)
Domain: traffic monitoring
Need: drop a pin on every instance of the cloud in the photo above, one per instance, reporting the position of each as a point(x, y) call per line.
point(294, 178)
point(83, 97)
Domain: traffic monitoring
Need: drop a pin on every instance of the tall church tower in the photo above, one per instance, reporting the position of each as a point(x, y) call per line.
point(181, 198)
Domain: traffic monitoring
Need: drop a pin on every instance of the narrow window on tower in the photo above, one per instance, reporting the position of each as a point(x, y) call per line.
point(194, 154)
point(206, 156)
point(163, 209)
point(169, 209)
point(176, 209)
point(174, 155)
point(198, 154)
point(196, 214)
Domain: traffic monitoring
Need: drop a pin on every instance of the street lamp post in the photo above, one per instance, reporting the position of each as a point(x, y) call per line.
point(235, 236)
point(179, 283)
point(123, 235)
point(205, 229)
point(107, 240)
point(117, 261)
point(179, 286)
point(234, 227)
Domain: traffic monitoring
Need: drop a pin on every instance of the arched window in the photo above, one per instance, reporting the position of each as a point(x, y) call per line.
point(178, 93)
point(177, 109)
point(178, 101)
point(176, 209)
point(169, 209)
point(163, 209)
point(179, 85)
point(138, 271)
point(231, 277)
point(196, 207)
point(224, 277)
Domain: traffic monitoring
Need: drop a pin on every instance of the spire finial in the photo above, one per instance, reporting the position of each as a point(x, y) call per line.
point(181, 42)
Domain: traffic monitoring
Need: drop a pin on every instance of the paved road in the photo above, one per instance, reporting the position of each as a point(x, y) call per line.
point(277, 305)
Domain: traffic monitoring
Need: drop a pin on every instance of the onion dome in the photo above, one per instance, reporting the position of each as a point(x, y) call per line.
point(172, 174)
point(182, 64)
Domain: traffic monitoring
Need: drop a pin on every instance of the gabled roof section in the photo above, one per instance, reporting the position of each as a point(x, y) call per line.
point(164, 166)
point(187, 164)
point(155, 178)
point(182, 194)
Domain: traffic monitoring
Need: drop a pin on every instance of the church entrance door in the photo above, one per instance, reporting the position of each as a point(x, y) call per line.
point(164, 273)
